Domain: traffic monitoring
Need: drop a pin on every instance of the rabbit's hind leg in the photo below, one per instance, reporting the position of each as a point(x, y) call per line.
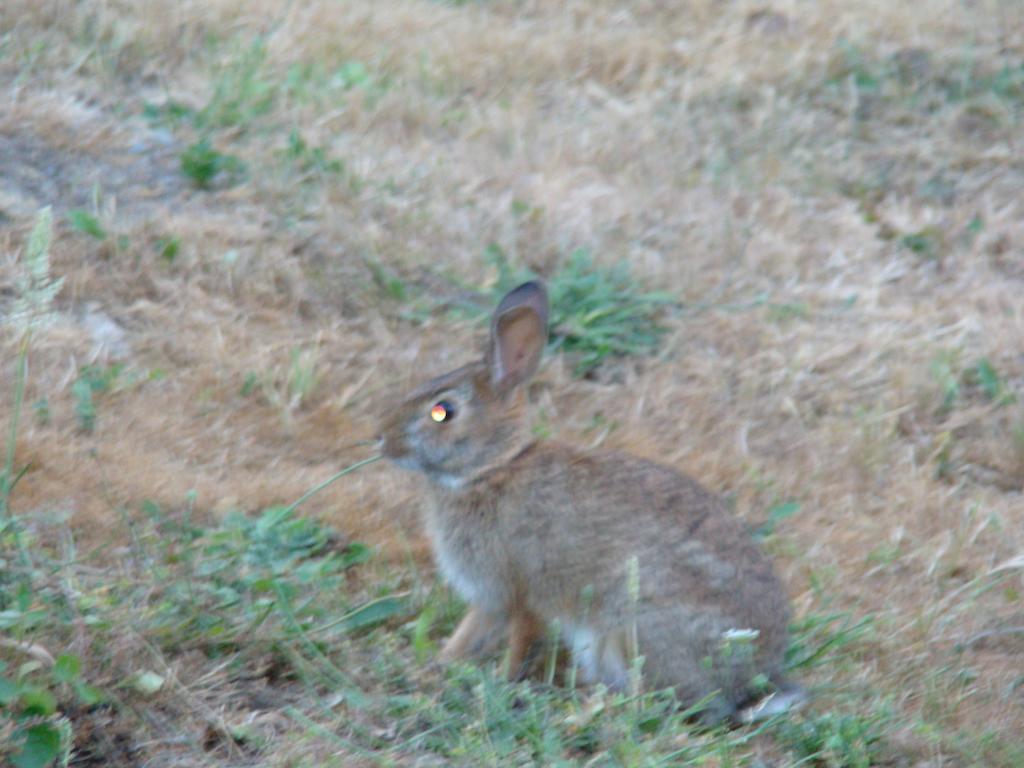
point(525, 636)
point(599, 655)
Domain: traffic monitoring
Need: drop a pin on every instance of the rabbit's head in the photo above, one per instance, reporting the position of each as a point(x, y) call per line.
point(461, 425)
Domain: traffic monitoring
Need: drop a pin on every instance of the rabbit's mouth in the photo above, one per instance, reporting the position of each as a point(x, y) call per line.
point(401, 455)
point(399, 452)
point(409, 460)
point(396, 449)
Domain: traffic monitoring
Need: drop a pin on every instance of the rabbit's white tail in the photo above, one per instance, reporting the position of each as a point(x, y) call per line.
point(789, 698)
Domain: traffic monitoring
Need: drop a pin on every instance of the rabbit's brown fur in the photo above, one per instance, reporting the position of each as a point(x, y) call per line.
point(530, 532)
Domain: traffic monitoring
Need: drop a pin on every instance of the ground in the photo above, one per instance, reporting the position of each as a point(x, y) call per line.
point(271, 216)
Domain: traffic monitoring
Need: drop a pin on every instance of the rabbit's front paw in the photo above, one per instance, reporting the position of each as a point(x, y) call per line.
point(478, 634)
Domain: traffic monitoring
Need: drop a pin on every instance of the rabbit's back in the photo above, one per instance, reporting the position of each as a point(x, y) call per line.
point(564, 520)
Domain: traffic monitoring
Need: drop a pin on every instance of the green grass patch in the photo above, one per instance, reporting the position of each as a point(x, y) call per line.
point(922, 82)
point(986, 378)
point(927, 243)
point(86, 223)
point(249, 97)
point(243, 91)
point(339, 642)
point(596, 313)
point(958, 383)
point(203, 164)
point(92, 380)
point(311, 158)
point(776, 515)
point(837, 740)
point(171, 113)
point(168, 248)
point(243, 588)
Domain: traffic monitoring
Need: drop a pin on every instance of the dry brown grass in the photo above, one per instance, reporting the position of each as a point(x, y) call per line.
point(724, 149)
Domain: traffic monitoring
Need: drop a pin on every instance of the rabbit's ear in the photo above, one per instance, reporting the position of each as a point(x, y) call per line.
point(519, 331)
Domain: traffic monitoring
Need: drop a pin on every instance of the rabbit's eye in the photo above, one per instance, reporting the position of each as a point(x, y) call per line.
point(442, 411)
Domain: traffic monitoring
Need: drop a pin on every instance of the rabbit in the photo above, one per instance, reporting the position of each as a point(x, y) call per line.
point(629, 557)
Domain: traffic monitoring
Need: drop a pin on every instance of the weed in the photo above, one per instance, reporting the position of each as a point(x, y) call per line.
point(780, 313)
point(387, 282)
point(241, 92)
point(91, 381)
point(309, 158)
point(981, 378)
point(885, 554)
point(170, 112)
point(1018, 443)
point(35, 292)
point(942, 454)
point(41, 408)
point(776, 515)
point(250, 582)
point(353, 74)
point(303, 80)
point(307, 81)
point(984, 375)
point(32, 693)
point(288, 388)
point(244, 91)
point(422, 646)
point(275, 574)
point(40, 744)
point(35, 289)
point(944, 371)
point(851, 63)
point(927, 243)
point(1005, 83)
point(201, 163)
point(168, 248)
point(249, 385)
point(826, 639)
point(85, 408)
point(30, 701)
point(303, 375)
point(837, 740)
point(87, 223)
point(918, 84)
